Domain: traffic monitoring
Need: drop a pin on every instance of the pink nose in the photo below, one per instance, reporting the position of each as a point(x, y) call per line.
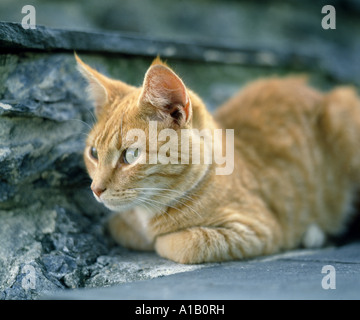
point(97, 191)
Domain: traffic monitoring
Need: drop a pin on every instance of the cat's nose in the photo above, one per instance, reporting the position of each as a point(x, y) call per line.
point(98, 191)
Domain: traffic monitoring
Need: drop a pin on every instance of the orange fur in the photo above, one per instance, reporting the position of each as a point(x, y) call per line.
point(297, 165)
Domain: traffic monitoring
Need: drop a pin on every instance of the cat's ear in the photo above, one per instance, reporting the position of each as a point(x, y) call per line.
point(97, 84)
point(101, 88)
point(165, 91)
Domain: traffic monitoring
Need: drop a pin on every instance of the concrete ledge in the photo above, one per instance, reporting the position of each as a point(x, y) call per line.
point(13, 36)
point(292, 275)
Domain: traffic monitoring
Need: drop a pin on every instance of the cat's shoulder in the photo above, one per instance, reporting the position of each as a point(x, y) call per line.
point(273, 87)
point(269, 92)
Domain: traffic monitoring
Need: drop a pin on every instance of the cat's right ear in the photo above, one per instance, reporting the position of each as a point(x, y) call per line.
point(101, 89)
point(97, 85)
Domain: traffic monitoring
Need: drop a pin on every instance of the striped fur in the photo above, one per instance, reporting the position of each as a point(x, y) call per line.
point(297, 168)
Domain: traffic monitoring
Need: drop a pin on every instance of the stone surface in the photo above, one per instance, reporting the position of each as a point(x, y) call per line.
point(292, 275)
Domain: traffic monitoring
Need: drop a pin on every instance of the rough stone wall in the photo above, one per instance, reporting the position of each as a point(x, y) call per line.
point(290, 25)
point(48, 218)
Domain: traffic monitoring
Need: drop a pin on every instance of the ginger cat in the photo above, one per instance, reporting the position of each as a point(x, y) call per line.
point(295, 176)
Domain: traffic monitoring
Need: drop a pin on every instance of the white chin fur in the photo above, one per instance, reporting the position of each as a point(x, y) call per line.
point(118, 207)
point(114, 207)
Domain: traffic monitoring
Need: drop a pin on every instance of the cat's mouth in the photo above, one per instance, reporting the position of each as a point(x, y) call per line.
point(116, 203)
point(127, 199)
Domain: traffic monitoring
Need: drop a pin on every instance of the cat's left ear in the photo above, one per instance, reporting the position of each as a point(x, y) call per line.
point(165, 91)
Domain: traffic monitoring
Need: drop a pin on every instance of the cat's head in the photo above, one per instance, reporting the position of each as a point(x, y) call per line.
point(120, 177)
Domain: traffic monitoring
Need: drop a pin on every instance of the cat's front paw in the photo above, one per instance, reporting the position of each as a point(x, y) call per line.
point(175, 247)
point(126, 234)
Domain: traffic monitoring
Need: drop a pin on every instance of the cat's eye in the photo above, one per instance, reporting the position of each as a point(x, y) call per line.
point(130, 155)
point(93, 153)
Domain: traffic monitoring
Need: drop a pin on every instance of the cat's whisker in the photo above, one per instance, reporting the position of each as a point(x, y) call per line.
point(93, 116)
point(83, 122)
point(121, 126)
point(140, 202)
point(167, 205)
point(178, 200)
point(190, 198)
point(157, 207)
point(83, 134)
point(152, 206)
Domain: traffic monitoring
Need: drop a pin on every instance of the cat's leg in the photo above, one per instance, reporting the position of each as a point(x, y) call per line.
point(125, 228)
point(231, 241)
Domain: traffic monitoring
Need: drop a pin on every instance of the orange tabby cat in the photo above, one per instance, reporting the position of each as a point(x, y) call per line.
point(296, 169)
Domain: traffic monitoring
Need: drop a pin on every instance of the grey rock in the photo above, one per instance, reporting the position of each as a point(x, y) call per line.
point(271, 33)
point(292, 275)
point(12, 35)
point(121, 266)
point(46, 209)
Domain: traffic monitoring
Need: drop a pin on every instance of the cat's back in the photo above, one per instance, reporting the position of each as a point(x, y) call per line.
point(267, 104)
point(301, 146)
point(285, 116)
